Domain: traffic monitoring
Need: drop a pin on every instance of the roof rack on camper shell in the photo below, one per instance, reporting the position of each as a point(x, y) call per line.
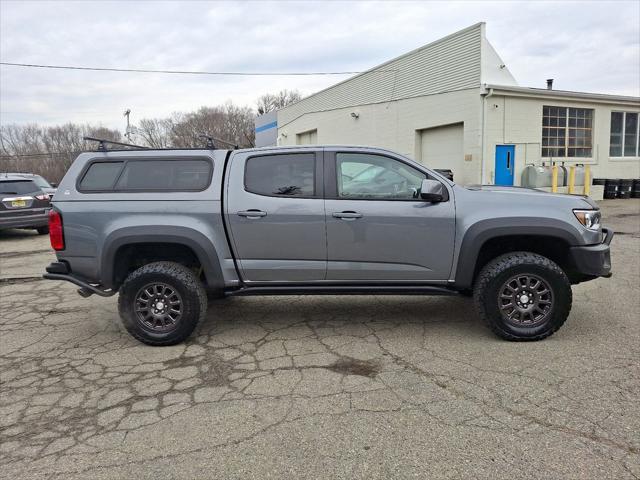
point(210, 144)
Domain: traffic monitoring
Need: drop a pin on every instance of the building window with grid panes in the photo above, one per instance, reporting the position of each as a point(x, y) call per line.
point(566, 132)
point(624, 138)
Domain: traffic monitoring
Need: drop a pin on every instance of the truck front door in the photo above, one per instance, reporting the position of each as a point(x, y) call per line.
point(275, 212)
point(378, 228)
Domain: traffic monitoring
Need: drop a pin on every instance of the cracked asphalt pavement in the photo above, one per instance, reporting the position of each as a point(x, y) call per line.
point(318, 387)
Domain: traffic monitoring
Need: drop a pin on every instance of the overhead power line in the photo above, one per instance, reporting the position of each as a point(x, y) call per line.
point(21, 155)
point(173, 72)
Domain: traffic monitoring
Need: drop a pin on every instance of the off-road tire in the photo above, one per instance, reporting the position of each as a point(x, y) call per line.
point(43, 230)
point(498, 271)
point(178, 277)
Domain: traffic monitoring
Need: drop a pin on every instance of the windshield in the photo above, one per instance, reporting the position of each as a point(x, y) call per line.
point(41, 182)
point(18, 187)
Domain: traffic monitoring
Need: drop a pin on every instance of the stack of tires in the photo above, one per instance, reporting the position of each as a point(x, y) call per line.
point(446, 172)
point(619, 188)
point(624, 188)
point(611, 188)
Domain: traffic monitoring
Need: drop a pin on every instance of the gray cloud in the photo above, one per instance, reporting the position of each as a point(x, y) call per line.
point(588, 46)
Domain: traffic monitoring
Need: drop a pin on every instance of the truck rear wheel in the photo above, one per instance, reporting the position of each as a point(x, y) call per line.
point(523, 296)
point(161, 303)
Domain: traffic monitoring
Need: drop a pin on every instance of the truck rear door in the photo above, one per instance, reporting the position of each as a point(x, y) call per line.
point(276, 216)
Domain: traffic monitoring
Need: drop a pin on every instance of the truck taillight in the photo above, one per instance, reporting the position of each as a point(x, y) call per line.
point(56, 234)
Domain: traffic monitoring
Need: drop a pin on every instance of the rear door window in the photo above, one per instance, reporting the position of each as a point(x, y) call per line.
point(18, 187)
point(287, 175)
point(41, 182)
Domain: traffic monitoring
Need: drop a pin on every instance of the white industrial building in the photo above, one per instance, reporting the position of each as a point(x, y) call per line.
point(454, 104)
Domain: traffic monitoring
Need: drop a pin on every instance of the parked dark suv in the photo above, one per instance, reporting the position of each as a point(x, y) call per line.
point(23, 204)
point(40, 181)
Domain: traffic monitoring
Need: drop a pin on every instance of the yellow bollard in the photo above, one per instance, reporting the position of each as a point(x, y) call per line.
point(587, 179)
point(554, 178)
point(572, 179)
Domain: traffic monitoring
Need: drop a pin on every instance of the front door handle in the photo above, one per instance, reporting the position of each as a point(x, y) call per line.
point(252, 213)
point(347, 215)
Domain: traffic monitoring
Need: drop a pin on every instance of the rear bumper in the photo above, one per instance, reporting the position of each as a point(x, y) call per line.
point(62, 271)
point(25, 221)
point(593, 260)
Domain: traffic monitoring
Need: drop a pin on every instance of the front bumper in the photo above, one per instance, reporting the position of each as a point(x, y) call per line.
point(593, 260)
point(25, 221)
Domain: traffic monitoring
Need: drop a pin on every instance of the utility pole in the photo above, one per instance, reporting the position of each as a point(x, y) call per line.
point(127, 134)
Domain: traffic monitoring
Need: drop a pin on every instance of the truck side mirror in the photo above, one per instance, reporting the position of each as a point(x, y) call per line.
point(432, 190)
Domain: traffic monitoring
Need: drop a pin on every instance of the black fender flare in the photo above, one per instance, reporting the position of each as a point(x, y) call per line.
point(196, 241)
point(481, 232)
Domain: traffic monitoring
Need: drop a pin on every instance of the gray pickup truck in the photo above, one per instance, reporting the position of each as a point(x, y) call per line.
point(168, 228)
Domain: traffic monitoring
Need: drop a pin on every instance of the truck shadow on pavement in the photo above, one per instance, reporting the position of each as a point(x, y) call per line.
point(14, 234)
point(344, 313)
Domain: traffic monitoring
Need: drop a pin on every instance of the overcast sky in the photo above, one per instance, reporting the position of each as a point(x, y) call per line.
point(591, 46)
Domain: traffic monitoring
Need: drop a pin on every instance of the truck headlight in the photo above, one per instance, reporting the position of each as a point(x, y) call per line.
point(589, 218)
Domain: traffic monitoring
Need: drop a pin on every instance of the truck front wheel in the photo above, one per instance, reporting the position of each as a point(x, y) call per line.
point(161, 303)
point(523, 296)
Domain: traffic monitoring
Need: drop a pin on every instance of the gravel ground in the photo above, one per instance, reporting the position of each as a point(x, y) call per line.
point(324, 387)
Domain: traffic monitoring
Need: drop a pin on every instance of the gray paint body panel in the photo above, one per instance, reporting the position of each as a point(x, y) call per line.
point(288, 243)
point(299, 241)
point(491, 211)
point(96, 224)
point(394, 240)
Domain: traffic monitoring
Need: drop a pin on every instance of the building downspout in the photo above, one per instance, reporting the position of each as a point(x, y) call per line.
point(483, 179)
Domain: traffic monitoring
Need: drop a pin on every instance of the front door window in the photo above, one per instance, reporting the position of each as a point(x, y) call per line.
point(375, 177)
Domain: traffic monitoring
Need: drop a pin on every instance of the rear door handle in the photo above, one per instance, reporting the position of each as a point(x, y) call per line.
point(347, 215)
point(252, 213)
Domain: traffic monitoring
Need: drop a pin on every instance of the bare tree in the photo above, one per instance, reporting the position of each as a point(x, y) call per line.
point(47, 151)
point(239, 125)
point(155, 132)
point(275, 101)
point(230, 123)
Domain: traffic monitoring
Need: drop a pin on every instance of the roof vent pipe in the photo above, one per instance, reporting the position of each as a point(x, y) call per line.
point(549, 83)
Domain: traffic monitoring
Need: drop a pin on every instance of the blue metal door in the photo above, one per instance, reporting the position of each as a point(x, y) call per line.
point(505, 164)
